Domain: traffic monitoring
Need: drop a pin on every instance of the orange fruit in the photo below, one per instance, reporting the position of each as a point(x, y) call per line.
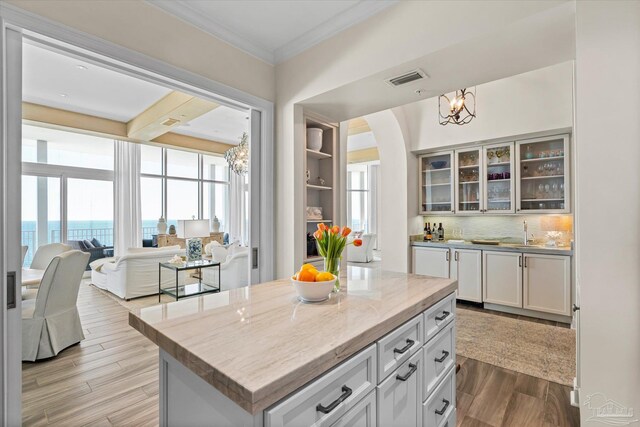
point(324, 277)
point(306, 276)
point(308, 267)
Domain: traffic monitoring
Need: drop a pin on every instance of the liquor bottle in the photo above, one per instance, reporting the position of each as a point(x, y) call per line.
point(429, 235)
point(434, 232)
point(425, 231)
point(441, 233)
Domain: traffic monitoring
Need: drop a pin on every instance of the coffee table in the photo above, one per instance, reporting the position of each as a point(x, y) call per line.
point(187, 290)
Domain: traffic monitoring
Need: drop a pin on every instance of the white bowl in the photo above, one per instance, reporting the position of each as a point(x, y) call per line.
point(314, 139)
point(313, 291)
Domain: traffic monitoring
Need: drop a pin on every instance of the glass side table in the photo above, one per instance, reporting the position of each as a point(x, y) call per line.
point(188, 290)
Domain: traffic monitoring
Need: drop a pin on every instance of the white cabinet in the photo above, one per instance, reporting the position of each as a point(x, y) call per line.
point(469, 183)
point(400, 395)
point(502, 278)
point(543, 175)
point(547, 283)
point(361, 415)
point(436, 183)
point(498, 179)
point(466, 267)
point(431, 261)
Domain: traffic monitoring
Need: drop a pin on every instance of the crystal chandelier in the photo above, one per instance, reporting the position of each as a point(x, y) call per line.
point(238, 156)
point(460, 109)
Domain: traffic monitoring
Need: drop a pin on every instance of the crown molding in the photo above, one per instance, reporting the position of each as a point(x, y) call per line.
point(182, 9)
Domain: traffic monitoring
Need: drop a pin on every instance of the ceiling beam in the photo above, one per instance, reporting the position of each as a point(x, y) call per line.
point(364, 155)
point(41, 115)
point(172, 110)
point(358, 125)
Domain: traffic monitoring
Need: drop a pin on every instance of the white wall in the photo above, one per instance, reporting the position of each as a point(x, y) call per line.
point(608, 131)
point(531, 102)
point(153, 32)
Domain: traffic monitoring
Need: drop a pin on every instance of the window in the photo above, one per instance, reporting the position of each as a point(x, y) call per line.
point(67, 188)
point(362, 210)
point(189, 185)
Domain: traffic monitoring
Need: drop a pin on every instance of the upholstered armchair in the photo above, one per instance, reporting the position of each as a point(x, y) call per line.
point(50, 322)
point(363, 253)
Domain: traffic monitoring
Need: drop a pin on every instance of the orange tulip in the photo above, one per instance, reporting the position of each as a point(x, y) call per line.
point(346, 231)
point(335, 229)
point(357, 242)
point(322, 227)
point(318, 235)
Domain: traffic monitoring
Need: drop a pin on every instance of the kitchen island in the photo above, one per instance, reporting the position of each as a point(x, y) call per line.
point(257, 356)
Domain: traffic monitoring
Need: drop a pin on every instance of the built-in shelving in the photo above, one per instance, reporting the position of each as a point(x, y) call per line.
point(542, 159)
point(318, 155)
point(319, 220)
point(318, 187)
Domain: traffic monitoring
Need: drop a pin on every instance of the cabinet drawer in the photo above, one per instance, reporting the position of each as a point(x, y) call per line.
point(451, 420)
point(363, 414)
point(397, 346)
point(438, 316)
point(439, 357)
point(400, 395)
point(326, 399)
point(438, 407)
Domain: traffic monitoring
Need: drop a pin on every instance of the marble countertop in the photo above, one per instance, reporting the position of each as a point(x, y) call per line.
point(258, 344)
point(504, 247)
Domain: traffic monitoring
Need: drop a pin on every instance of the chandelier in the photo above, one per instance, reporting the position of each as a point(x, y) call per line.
point(238, 156)
point(460, 109)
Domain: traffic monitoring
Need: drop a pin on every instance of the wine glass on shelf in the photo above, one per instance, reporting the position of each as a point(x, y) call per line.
point(490, 155)
point(540, 193)
point(499, 154)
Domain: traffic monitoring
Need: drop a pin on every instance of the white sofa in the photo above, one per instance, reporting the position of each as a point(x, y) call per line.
point(363, 253)
point(134, 274)
point(234, 267)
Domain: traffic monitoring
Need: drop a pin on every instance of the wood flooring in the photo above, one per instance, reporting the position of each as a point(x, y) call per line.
point(111, 379)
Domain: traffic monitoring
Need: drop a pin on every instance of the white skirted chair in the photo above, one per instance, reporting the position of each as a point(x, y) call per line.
point(234, 266)
point(50, 322)
point(363, 253)
point(45, 253)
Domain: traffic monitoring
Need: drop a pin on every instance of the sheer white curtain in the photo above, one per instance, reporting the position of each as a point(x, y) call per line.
point(127, 215)
point(238, 224)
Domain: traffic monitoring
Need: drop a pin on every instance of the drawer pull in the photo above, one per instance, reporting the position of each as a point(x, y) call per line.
point(444, 315)
point(404, 349)
point(445, 354)
point(408, 374)
point(442, 410)
point(346, 392)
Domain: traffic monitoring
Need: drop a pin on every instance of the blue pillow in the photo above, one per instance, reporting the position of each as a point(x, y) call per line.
point(88, 244)
point(96, 243)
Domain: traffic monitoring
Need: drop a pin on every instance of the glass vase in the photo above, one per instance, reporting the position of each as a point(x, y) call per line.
point(332, 265)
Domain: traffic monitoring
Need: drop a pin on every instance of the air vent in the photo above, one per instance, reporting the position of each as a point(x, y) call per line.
point(170, 122)
point(405, 78)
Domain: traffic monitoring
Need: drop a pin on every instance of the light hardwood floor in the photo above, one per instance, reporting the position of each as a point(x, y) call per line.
point(111, 378)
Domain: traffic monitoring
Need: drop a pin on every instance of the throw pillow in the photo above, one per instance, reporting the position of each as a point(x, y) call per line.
point(88, 244)
point(96, 243)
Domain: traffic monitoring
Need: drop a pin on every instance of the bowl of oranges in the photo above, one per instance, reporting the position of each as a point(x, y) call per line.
point(312, 285)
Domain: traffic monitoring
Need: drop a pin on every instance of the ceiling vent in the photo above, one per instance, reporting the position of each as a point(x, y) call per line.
point(406, 78)
point(170, 122)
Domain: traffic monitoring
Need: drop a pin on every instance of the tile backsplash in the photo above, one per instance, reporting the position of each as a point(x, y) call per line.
point(504, 227)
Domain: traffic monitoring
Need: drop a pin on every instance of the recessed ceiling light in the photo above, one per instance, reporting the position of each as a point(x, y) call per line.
point(81, 67)
point(64, 95)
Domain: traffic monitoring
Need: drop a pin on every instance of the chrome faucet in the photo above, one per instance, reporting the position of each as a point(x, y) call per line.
point(524, 227)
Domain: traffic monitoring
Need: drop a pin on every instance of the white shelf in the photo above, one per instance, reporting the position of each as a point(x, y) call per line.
point(544, 200)
point(499, 180)
point(437, 185)
point(469, 182)
point(542, 177)
point(318, 154)
point(437, 203)
point(436, 170)
point(318, 187)
point(498, 164)
point(469, 203)
point(319, 220)
point(499, 200)
point(469, 167)
point(541, 159)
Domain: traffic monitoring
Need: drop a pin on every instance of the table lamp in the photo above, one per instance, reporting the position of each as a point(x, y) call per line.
point(192, 230)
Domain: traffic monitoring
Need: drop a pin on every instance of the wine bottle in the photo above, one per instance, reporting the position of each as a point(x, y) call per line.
point(429, 235)
point(441, 233)
point(425, 231)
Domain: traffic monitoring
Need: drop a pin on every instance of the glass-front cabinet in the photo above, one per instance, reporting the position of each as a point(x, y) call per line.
point(543, 175)
point(499, 189)
point(436, 183)
point(469, 185)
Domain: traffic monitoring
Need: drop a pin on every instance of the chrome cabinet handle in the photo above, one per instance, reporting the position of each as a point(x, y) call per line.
point(442, 410)
point(525, 261)
point(445, 354)
point(408, 374)
point(519, 260)
point(455, 255)
point(346, 392)
point(447, 255)
point(445, 313)
point(404, 349)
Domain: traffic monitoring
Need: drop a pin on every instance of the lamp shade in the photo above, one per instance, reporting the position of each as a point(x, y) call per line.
point(188, 228)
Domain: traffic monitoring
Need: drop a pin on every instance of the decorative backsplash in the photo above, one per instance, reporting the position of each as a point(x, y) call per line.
point(504, 227)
